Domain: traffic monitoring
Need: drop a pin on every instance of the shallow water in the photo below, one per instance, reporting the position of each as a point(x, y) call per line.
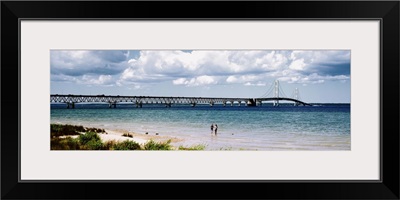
point(324, 127)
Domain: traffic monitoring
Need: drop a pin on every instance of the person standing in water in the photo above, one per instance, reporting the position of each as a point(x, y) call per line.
point(212, 129)
point(215, 128)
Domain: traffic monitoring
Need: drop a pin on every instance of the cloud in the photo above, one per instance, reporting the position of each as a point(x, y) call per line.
point(96, 80)
point(198, 67)
point(297, 64)
point(321, 62)
point(313, 79)
point(255, 84)
point(79, 63)
point(197, 81)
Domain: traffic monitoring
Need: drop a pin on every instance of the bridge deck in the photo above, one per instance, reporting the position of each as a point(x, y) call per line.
point(139, 100)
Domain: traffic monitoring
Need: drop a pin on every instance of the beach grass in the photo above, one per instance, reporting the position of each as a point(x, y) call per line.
point(152, 145)
point(126, 145)
point(57, 130)
point(88, 139)
point(67, 143)
point(192, 148)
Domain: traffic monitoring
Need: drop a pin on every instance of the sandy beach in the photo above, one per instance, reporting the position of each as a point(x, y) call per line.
point(117, 135)
point(139, 138)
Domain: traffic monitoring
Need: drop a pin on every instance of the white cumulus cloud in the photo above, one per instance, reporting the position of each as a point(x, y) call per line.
point(196, 81)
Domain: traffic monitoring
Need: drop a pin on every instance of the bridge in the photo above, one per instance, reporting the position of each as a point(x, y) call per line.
point(112, 100)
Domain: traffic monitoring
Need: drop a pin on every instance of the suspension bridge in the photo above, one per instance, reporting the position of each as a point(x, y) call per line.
point(274, 94)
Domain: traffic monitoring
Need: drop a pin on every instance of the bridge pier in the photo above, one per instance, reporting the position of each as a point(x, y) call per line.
point(112, 105)
point(231, 103)
point(193, 104)
point(168, 105)
point(211, 103)
point(71, 105)
point(139, 104)
point(251, 103)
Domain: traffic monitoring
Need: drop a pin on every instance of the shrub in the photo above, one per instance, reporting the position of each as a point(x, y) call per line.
point(109, 145)
point(59, 130)
point(96, 130)
point(126, 145)
point(152, 145)
point(64, 144)
point(94, 145)
point(85, 138)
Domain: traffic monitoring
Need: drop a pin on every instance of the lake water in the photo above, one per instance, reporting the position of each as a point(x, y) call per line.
point(287, 127)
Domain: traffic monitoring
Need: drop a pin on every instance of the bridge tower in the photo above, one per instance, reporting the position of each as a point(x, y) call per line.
point(276, 102)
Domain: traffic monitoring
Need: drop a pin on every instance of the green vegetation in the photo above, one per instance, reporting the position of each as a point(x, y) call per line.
point(96, 130)
point(151, 145)
point(225, 149)
point(88, 139)
point(192, 148)
point(91, 141)
point(89, 136)
point(126, 145)
point(64, 144)
point(57, 130)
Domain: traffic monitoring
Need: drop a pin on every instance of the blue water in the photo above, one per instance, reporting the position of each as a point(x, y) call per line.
point(322, 127)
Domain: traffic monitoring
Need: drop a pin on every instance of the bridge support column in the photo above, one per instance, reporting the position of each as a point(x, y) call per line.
point(168, 105)
point(112, 105)
point(239, 102)
point(224, 103)
point(231, 103)
point(193, 104)
point(71, 105)
point(211, 103)
point(251, 102)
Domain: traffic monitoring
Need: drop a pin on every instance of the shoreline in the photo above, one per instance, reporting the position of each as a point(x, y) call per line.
point(117, 135)
point(323, 143)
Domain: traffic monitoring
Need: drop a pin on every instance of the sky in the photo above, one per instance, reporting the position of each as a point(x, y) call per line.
point(321, 76)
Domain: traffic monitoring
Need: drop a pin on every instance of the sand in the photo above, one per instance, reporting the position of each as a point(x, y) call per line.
point(139, 138)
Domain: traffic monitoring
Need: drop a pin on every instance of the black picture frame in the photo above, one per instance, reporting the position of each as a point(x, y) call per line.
point(386, 11)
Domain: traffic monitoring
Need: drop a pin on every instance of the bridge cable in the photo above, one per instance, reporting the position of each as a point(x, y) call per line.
point(266, 94)
point(293, 94)
point(281, 90)
point(298, 95)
